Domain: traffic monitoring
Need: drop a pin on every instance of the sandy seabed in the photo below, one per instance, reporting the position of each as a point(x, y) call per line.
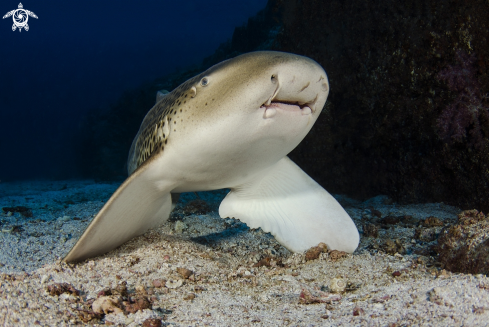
point(200, 270)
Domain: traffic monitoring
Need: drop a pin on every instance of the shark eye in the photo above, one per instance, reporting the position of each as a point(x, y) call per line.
point(273, 79)
point(204, 81)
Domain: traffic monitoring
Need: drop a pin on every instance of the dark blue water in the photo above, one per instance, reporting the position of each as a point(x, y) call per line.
point(80, 55)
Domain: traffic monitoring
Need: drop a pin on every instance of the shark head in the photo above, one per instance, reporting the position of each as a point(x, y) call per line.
point(265, 80)
point(263, 98)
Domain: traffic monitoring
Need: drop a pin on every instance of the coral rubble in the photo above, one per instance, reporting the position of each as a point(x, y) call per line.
point(465, 247)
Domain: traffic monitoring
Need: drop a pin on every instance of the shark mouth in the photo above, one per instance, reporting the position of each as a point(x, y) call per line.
point(274, 103)
point(271, 107)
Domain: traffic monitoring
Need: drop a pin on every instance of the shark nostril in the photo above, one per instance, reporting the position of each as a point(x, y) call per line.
point(305, 87)
point(274, 79)
point(325, 87)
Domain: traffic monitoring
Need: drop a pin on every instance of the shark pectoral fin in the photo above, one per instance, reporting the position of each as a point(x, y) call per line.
point(294, 208)
point(135, 207)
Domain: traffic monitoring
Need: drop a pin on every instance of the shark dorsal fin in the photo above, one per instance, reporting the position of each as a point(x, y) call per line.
point(161, 94)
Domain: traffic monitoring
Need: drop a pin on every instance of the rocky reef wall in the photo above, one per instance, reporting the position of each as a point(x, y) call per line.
point(408, 113)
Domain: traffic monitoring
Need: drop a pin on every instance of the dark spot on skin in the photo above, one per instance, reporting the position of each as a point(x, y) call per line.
point(174, 130)
point(185, 95)
point(174, 122)
point(166, 141)
point(206, 103)
point(180, 110)
point(184, 102)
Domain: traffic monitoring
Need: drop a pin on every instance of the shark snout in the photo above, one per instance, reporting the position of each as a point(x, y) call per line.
point(300, 90)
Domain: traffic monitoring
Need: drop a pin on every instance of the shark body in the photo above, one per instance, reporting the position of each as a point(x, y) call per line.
point(230, 127)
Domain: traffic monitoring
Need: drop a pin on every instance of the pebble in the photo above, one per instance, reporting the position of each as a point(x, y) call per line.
point(152, 322)
point(378, 306)
point(140, 289)
point(184, 272)
point(357, 311)
point(173, 283)
point(64, 219)
point(337, 285)
point(159, 283)
point(106, 304)
point(190, 296)
point(313, 253)
point(180, 226)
